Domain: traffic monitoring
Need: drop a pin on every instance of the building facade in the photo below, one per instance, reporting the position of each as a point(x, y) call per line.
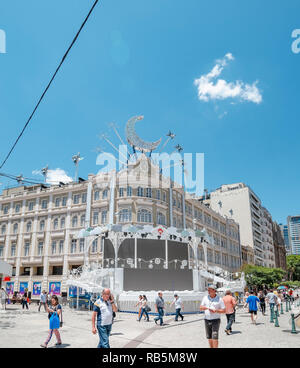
point(285, 234)
point(239, 202)
point(38, 225)
point(279, 247)
point(293, 223)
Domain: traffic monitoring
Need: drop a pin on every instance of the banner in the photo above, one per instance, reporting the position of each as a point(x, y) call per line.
point(54, 288)
point(37, 287)
point(73, 292)
point(23, 287)
point(10, 288)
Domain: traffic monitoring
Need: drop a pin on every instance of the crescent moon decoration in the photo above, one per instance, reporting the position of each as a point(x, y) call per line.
point(135, 141)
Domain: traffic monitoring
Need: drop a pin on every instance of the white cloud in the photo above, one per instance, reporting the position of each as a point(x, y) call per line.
point(55, 176)
point(211, 89)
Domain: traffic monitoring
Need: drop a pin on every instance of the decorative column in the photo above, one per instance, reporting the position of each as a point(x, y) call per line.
point(67, 241)
point(171, 206)
point(47, 245)
point(135, 252)
point(166, 252)
point(20, 243)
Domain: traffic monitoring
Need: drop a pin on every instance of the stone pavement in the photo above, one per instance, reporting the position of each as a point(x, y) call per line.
point(28, 329)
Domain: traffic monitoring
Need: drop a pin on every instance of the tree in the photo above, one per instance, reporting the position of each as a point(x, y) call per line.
point(293, 267)
point(259, 277)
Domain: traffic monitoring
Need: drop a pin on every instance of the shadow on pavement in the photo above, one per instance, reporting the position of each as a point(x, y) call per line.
point(235, 332)
point(298, 332)
point(59, 346)
point(116, 333)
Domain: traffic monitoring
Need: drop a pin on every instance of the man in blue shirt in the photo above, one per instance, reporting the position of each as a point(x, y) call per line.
point(252, 301)
point(103, 310)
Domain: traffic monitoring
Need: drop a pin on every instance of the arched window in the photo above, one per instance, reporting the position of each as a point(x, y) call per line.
point(161, 218)
point(129, 191)
point(3, 229)
point(62, 223)
point(55, 224)
point(104, 193)
point(42, 225)
point(125, 215)
point(74, 221)
point(82, 220)
point(140, 192)
point(28, 227)
point(96, 195)
point(15, 228)
point(144, 216)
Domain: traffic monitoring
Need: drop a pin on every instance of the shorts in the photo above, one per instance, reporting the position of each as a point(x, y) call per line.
point(212, 328)
point(252, 311)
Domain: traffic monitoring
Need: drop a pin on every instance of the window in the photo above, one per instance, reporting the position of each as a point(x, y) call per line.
point(44, 204)
point(103, 217)
point(57, 270)
point(121, 192)
point(1, 250)
point(57, 202)
point(95, 218)
point(40, 248)
point(30, 206)
point(82, 220)
point(129, 191)
point(144, 216)
point(140, 192)
point(164, 197)
point(83, 198)
point(125, 215)
point(3, 229)
point(76, 199)
point(105, 193)
point(81, 245)
point(61, 246)
point(53, 247)
point(149, 193)
point(42, 225)
point(96, 195)
point(55, 224)
point(73, 246)
point(158, 194)
point(26, 249)
point(17, 208)
point(62, 223)
point(40, 271)
point(64, 201)
point(28, 227)
point(74, 221)
point(13, 250)
point(15, 228)
point(95, 246)
point(5, 210)
point(161, 218)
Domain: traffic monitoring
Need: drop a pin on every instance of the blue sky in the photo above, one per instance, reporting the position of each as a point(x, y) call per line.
point(142, 57)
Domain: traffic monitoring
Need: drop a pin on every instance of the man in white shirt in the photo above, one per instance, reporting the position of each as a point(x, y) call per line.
point(43, 300)
point(3, 296)
point(213, 306)
point(178, 306)
point(103, 311)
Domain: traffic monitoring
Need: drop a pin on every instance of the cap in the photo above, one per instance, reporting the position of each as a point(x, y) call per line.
point(212, 286)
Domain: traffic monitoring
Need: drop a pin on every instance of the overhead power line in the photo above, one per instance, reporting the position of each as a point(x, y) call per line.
point(49, 84)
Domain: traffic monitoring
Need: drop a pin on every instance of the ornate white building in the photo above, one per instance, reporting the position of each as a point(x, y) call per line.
point(38, 225)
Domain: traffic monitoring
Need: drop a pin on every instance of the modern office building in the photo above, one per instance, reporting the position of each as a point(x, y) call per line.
point(38, 224)
point(293, 223)
point(285, 234)
point(240, 203)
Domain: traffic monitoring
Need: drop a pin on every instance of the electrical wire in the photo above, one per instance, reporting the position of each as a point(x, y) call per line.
point(49, 84)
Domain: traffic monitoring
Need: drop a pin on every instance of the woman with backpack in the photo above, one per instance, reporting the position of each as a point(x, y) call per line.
point(54, 315)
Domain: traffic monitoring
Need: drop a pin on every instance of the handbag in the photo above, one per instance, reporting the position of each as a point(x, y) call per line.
point(147, 308)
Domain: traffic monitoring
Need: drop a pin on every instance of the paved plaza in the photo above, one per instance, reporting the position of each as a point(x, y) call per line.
point(29, 329)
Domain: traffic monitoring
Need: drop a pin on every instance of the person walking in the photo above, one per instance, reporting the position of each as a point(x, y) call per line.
point(272, 300)
point(139, 305)
point(178, 307)
point(230, 303)
point(103, 312)
point(24, 300)
point(144, 309)
point(3, 297)
point(252, 301)
point(262, 302)
point(245, 298)
point(159, 306)
point(213, 306)
point(43, 300)
point(54, 315)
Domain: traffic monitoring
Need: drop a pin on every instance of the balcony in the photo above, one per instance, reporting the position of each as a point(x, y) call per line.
point(73, 257)
point(56, 259)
